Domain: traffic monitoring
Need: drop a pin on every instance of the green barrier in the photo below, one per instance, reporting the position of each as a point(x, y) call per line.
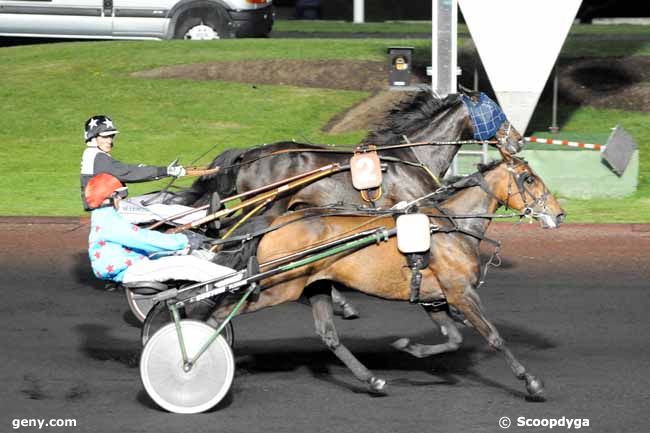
point(580, 174)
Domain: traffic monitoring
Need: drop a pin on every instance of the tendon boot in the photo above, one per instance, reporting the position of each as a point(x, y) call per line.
point(348, 311)
point(416, 262)
point(416, 280)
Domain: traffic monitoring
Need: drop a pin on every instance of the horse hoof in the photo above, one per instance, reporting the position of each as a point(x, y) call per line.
point(349, 312)
point(535, 387)
point(401, 343)
point(377, 385)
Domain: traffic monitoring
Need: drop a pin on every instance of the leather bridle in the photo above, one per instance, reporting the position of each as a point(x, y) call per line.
point(534, 206)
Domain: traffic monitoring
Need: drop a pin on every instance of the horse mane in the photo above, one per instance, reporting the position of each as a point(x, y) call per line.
point(223, 182)
point(484, 168)
point(409, 117)
point(455, 184)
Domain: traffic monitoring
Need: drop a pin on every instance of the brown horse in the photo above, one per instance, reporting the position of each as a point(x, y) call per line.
point(452, 273)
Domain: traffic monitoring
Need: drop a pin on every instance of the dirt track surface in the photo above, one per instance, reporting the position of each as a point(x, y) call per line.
point(572, 304)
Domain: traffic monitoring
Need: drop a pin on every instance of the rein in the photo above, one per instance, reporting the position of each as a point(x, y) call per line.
point(351, 149)
point(340, 210)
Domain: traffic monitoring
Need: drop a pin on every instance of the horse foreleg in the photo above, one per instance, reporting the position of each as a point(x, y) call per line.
point(469, 305)
point(348, 311)
point(324, 321)
point(447, 328)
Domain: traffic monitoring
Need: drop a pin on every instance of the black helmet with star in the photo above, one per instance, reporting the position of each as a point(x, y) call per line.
point(99, 125)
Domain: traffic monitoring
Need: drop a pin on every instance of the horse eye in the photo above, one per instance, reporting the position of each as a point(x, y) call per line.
point(529, 179)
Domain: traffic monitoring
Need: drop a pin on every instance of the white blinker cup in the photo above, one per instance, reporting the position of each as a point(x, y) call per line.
point(413, 233)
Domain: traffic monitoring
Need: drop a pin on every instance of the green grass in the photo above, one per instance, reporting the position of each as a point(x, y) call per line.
point(609, 29)
point(625, 38)
point(311, 26)
point(584, 47)
point(48, 91)
point(605, 48)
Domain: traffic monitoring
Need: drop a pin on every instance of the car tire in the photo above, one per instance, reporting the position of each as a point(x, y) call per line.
point(204, 24)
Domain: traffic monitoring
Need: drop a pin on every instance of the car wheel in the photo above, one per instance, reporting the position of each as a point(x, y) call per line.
point(203, 24)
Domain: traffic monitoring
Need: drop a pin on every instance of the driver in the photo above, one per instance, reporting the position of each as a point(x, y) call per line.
point(123, 252)
point(99, 134)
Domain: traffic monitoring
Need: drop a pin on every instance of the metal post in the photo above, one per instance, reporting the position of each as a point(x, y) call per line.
point(444, 17)
point(453, 170)
point(359, 11)
point(554, 127)
point(484, 156)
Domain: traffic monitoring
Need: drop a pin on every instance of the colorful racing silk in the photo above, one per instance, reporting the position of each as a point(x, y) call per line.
point(114, 244)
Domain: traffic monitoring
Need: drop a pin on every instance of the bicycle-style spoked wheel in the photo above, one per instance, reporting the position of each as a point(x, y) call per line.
point(178, 389)
point(159, 316)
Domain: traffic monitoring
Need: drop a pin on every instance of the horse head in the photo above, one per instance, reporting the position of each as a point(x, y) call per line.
point(489, 121)
point(519, 188)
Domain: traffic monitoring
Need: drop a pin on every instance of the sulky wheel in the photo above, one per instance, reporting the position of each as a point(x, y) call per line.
point(160, 316)
point(140, 304)
point(196, 390)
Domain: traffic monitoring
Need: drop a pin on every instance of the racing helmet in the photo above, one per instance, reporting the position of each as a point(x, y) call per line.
point(99, 125)
point(101, 187)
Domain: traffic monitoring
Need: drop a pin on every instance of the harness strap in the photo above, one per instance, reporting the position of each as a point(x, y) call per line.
point(422, 165)
point(351, 149)
point(365, 195)
point(418, 164)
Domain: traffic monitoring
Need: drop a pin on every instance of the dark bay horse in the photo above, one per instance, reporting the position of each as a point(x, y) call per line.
point(425, 119)
point(453, 272)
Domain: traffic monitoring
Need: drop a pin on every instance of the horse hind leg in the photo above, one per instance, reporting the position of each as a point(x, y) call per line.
point(324, 321)
point(348, 311)
point(447, 328)
point(469, 305)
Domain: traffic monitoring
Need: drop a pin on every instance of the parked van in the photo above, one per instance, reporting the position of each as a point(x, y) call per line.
point(136, 19)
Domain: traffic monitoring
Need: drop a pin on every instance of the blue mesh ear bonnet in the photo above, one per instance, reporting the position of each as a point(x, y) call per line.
point(487, 117)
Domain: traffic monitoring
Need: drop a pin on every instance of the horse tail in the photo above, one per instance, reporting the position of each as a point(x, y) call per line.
point(223, 182)
point(236, 257)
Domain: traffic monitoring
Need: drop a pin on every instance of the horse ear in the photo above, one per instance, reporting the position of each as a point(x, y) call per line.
point(474, 95)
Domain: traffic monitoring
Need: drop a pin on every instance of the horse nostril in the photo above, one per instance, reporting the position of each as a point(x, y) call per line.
point(560, 218)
